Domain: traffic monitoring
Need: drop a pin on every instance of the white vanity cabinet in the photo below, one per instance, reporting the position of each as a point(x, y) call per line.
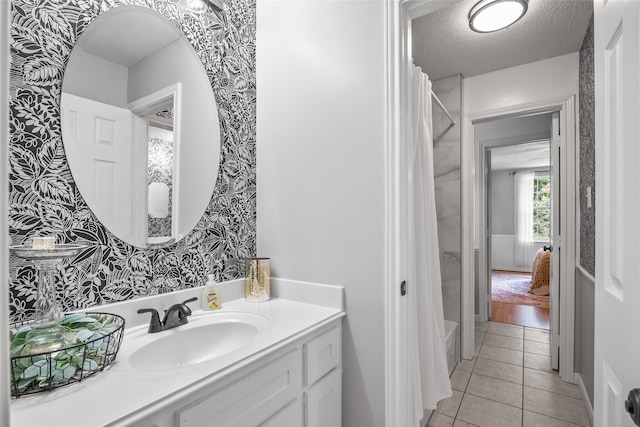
point(298, 385)
point(323, 378)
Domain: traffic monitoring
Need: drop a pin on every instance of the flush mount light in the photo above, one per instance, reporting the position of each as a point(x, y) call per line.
point(493, 15)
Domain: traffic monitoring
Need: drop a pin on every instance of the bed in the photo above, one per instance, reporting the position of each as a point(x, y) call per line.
point(540, 273)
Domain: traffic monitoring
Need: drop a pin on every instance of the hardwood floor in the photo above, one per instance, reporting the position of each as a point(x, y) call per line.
point(523, 315)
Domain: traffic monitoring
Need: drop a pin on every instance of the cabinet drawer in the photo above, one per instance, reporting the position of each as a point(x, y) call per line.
point(290, 416)
point(251, 399)
point(322, 354)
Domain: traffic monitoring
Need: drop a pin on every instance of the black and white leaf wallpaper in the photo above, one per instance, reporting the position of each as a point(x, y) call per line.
point(587, 152)
point(44, 199)
point(160, 170)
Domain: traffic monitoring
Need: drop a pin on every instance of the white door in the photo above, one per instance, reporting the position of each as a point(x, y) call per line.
point(98, 146)
point(487, 228)
point(617, 297)
point(555, 243)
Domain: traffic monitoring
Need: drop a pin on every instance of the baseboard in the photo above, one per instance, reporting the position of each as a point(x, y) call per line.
point(426, 418)
point(585, 396)
point(512, 268)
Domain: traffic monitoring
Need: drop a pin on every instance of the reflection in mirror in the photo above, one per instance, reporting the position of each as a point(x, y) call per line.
point(140, 126)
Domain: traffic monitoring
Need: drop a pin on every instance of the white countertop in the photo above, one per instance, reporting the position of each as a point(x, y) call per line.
point(121, 393)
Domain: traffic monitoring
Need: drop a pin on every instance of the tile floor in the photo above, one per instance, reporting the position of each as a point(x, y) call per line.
point(510, 384)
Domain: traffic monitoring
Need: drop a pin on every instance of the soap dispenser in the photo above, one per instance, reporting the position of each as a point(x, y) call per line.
point(211, 295)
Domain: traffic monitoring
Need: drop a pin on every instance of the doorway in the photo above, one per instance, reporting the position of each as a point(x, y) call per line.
point(519, 194)
point(554, 125)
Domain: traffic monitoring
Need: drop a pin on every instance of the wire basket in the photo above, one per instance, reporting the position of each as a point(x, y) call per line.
point(92, 341)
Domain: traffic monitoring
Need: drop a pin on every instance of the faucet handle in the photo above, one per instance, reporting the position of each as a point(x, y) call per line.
point(155, 325)
point(188, 313)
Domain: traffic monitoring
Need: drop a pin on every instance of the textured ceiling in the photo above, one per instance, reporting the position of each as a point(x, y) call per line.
point(444, 45)
point(110, 36)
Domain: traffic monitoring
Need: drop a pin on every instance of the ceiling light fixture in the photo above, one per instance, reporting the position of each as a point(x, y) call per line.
point(493, 15)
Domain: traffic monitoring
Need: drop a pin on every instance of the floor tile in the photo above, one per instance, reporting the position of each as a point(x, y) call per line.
point(510, 383)
point(556, 406)
point(550, 381)
point(502, 371)
point(467, 365)
point(501, 354)
point(503, 341)
point(537, 335)
point(460, 379)
point(450, 406)
point(482, 326)
point(534, 347)
point(546, 331)
point(488, 413)
point(495, 389)
point(476, 348)
point(537, 361)
point(439, 420)
point(506, 330)
point(531, 419)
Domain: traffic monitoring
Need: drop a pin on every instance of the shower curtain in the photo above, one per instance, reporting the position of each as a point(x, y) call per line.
point(429, 347)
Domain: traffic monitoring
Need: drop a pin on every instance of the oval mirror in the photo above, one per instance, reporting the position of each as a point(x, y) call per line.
point(140, 126)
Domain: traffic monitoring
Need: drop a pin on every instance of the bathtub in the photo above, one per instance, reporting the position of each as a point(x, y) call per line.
point(450, 331)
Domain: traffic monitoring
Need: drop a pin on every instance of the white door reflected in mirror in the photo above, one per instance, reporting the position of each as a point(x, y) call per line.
point(128, 69)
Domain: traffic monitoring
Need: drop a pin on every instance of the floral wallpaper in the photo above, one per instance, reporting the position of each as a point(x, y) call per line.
point(160, 169)
point(587, 154)
point(44, 199)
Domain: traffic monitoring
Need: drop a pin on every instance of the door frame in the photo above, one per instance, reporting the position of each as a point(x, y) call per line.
point(170, 95)
point(484, 255)
point(399, 381)
point(566, 107)
point(4, 208)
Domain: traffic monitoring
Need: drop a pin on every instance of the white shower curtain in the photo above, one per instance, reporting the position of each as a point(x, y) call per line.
point(430, 356)
point(524, 217)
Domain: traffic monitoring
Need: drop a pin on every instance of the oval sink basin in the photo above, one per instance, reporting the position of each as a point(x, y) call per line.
point(205, 337)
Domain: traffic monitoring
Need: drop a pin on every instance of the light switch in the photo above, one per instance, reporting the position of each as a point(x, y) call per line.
point(589, 197)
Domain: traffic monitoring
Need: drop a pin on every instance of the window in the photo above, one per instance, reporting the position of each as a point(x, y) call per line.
point(541, 207)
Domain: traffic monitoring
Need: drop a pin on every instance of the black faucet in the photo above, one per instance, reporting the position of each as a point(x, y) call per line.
point(175, 315)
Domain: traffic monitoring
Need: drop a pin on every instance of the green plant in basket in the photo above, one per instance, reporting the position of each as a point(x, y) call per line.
point(86, 341)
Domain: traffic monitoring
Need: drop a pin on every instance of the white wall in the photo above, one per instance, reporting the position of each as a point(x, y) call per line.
point(503, 249)
point(92, 77)
point(502, 203)
point(321, 170)
point(548, 79)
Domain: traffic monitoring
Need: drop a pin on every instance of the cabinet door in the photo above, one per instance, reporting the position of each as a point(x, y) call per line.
point(322, 354)
point(324, 402)
point(289, 416)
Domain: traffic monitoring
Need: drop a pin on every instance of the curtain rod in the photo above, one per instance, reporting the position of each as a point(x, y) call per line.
point(531, 170)
point(439, 103)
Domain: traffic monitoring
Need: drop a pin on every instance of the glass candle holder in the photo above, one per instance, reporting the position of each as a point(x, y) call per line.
point(46, 334)
point(257, 286)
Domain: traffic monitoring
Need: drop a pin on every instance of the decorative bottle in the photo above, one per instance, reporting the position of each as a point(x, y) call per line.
point(211, 295)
